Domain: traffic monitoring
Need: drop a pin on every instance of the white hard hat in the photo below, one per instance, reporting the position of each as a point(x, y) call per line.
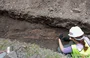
point(75, 32)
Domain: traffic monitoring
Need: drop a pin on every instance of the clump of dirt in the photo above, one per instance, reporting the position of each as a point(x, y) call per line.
point(42, 35)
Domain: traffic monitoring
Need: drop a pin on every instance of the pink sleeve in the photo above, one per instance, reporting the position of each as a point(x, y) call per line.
point(67, 50)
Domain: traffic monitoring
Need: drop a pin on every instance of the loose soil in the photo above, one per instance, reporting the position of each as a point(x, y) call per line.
point(42, 35)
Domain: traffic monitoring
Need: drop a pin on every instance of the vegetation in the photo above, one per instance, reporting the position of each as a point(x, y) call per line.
point(29, 50)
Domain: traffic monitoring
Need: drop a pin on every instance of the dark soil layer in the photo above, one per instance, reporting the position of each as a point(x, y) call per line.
point(44, 36)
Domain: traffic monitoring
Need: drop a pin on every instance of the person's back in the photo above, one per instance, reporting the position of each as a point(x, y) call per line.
point(80, 53)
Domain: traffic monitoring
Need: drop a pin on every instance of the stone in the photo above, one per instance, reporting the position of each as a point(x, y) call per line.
point(76, 10)
point(11, 55)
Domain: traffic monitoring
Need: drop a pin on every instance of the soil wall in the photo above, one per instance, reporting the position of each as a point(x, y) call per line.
point(55, 13)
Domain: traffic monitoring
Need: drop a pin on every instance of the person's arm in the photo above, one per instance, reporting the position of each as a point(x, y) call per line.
point(74, 40)
point(64, 50)
point(60, 45)
point(67, 50)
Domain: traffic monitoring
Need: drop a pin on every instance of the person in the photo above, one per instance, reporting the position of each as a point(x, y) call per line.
point(81, 46)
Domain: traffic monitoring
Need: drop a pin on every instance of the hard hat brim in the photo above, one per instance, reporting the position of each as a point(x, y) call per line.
point(74, 35)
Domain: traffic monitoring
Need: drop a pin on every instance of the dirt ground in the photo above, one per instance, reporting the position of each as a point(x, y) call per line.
point(43, 35)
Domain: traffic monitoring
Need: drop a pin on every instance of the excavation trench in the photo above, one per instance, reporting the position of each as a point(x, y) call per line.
point(40, 34)
point(41, 30)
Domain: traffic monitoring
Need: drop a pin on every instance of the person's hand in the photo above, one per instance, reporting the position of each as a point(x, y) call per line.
point(71, 39)
point(59, 40)
point(61, 36)
point(74, 40)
